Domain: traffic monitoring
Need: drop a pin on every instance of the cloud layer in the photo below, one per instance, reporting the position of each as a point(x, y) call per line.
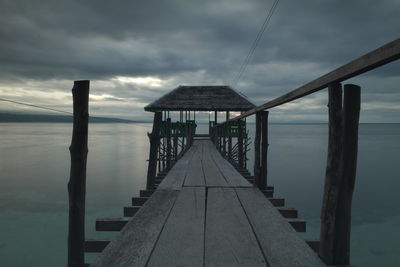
point(135, 51)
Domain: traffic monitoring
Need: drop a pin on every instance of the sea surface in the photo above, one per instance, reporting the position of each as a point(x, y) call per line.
point(34, 172)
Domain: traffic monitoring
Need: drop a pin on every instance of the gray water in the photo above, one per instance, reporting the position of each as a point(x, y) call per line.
point(34, 172)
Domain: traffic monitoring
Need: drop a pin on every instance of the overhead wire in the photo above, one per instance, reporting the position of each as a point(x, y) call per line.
point(254, 45)
point(35, 106)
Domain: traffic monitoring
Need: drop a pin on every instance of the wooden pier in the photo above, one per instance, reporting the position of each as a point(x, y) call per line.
point(205, 213)
point(201, 206)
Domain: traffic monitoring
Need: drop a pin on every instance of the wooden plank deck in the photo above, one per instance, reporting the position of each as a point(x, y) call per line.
point(204, 213)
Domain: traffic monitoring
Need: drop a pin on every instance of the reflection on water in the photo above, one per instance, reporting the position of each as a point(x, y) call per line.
point(34, 171)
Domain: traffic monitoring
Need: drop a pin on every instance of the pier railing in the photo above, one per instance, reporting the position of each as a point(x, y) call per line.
point(344, 109)
point(168, 142)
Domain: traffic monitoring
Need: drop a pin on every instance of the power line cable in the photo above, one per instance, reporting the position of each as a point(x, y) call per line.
point(253, 47)
point(35, 106)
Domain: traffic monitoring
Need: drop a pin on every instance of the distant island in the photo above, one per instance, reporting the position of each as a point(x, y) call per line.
point(20, 117)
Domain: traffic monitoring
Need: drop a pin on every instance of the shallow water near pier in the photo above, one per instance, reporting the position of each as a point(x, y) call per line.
point(34, 172)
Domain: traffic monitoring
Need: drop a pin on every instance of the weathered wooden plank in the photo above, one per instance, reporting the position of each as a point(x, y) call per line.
point(146, 193)
point(139, 201)
point(212, 174)
point(231, 175)
point(313, 244)
point(110, 224)
point(374, 59)
point(281, 245)
point(131, 211)
point(195, 175)
point(298, 225)
point(176, 176)
point(288, 212)
point(95, 245)
point(182, 239)
point(230, 240)
point(133, 245)
point(277, 202)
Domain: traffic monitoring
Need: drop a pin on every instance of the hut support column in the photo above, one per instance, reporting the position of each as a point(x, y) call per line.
point(169, 148)
point(224, 142)
point(240, 145)
point(154, 147)
point(77, 180)
point(175, 143)
point(229, 141)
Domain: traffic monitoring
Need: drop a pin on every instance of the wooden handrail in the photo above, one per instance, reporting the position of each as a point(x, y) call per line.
point(374, 59)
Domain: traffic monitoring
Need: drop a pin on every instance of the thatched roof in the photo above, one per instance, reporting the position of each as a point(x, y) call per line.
point(201, 98)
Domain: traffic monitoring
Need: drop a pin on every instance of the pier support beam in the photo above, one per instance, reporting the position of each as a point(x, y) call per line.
point(154, 147)
point(77, 180)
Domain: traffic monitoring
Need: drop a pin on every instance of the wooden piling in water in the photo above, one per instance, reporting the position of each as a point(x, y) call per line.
point(351, 113)
point(332, 174)
point(257, 154)
point(340, 174)
point(263, 181)
point(154, 147)
point(77, 181)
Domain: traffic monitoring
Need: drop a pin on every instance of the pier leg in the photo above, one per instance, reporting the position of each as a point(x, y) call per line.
point(77, 180)
point(175, 145)
point(224, 139)
point(340, 174)
point(154, 146)
point(264, 151)
point(332, 174)
point(351, 113)
point(169, 147)
point(257, 144)
point(229, 141)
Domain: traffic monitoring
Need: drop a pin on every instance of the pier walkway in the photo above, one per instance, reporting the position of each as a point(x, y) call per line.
point(204, 213)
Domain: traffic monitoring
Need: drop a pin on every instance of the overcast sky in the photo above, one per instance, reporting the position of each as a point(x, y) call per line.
point(135, 51)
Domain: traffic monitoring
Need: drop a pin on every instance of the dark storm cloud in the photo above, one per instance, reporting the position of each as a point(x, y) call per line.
point(186, 42)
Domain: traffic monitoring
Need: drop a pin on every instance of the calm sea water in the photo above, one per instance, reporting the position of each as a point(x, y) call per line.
point(34, 171)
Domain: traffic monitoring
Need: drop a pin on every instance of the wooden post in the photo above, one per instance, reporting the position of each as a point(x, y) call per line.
point(154, 147)
point(263, 181)
point(240, 145)
point(169, 147)
point(351, 114)
point(77, 181)
point(229, 141)
point(332, 174)
point(257, 144)
point(224, 140)
point(175, 143)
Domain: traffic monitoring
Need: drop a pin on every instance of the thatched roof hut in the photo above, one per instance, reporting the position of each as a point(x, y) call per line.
point(201, 98)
